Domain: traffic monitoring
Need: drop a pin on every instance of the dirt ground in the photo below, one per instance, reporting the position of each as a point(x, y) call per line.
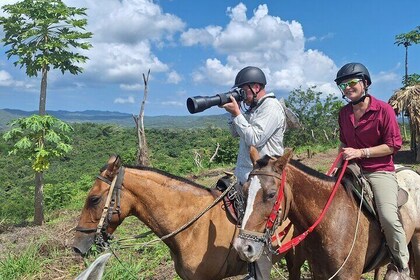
point(14, 239)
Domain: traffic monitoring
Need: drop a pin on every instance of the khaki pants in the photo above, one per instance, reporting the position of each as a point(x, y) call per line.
point(385, 192)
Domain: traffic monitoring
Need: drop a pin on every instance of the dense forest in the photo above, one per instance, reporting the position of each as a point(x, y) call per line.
point(171, 150)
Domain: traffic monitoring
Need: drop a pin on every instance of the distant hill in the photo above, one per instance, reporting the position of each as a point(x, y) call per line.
point(123, 119)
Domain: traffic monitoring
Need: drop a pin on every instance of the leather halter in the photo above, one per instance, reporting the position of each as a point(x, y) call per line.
point(113, 201)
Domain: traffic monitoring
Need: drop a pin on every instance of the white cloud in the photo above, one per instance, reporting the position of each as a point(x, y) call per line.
point(124, 33)
point(174, 77)
point(131, 21)
point(384, 76)
point(321, 38)
point(131, 87)
point(215, 72)
point(122, 63)
point(5, 78)
point(129, 100)
point(275, 45)
point(173, 103)
point(205, 36)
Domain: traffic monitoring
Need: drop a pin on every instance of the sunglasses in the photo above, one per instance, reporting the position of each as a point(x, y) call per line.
point(351, 83)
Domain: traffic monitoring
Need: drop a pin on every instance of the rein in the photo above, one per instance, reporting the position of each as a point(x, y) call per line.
point(296, 240)
point(113, 198)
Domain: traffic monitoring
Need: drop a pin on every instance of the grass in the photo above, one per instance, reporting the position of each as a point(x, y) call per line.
point(18, 265)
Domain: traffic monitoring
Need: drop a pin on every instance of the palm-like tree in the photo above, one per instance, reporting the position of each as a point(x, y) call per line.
point(408, 100)
point(407, 39)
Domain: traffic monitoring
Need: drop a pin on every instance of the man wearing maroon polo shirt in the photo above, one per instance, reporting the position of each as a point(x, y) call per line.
point(370, 135)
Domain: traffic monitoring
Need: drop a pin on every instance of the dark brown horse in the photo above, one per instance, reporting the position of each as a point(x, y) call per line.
point(327, 247)
point(164, 203)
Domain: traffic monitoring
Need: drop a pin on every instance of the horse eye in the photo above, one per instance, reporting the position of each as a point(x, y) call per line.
point(271, 195)
point(94, 200)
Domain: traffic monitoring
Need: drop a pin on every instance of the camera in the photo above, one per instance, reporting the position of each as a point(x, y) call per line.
point(198, 104)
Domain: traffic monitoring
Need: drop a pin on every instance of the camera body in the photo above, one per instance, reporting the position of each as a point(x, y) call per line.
point(198, 104)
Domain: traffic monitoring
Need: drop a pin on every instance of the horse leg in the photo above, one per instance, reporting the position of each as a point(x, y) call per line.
point(295, 259)
point(415, 255)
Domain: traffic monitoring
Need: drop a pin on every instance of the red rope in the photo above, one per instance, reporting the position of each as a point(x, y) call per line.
point(296, 240)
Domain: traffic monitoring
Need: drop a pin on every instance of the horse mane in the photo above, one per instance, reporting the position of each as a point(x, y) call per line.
point(311, 171)
point(167, 174)
point(262, 162)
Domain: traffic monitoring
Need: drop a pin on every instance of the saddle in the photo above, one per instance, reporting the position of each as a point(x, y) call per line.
point(233, 201)
point(355, 181)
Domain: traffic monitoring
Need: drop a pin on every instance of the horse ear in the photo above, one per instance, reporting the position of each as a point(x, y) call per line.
point(284, 160)
point(114, 164)
point(254, 155)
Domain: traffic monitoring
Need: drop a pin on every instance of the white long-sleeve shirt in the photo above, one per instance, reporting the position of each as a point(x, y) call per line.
point(263, 128)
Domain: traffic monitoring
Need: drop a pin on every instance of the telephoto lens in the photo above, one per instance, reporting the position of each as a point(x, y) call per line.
point(198, 104)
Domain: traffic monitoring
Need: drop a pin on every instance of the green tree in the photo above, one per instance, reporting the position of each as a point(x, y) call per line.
point(39, 139)
point(318, 115)
point(44, 34)
point(406, 40)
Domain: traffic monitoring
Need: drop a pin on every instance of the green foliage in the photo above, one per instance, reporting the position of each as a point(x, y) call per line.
point(228, 150)
point(39, 139)
point(43, 33)
point(409, 38)
point(16, 266)
point(57, 196)
point(318, 115)
point(413, 79)
point(16, 203)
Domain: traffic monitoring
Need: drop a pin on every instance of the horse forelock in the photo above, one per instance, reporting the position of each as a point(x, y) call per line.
point(264, 161)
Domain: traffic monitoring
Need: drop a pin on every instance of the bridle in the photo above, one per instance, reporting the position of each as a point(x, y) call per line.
point(274, 219)
point(112, 206)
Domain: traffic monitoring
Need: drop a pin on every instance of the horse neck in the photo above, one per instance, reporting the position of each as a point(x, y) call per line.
point(309, 194)
point(161, 202)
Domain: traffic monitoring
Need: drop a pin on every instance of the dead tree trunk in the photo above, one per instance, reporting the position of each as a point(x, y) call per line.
point(142, 150)
point(215, 153)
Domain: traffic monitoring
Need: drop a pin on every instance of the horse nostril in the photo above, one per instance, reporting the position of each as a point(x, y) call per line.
point(249, 249)
point(77, 251)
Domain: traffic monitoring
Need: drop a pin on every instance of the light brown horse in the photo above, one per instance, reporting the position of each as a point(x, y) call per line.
point(164, 203)
point(306, 192)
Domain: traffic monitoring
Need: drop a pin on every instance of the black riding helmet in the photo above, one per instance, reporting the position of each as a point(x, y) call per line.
point(353, 70)
point(250, 75)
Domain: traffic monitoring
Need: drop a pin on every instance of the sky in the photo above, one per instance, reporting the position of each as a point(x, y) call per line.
point(196, 47)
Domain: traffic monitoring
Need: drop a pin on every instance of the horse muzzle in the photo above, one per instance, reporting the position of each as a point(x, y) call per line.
point(249, 250)
point(82, 243)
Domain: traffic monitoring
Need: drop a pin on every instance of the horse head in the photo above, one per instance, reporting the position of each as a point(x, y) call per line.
point(102, 211)
point(265, 206)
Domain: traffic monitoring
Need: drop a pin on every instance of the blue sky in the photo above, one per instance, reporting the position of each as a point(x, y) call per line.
point(196, 48)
